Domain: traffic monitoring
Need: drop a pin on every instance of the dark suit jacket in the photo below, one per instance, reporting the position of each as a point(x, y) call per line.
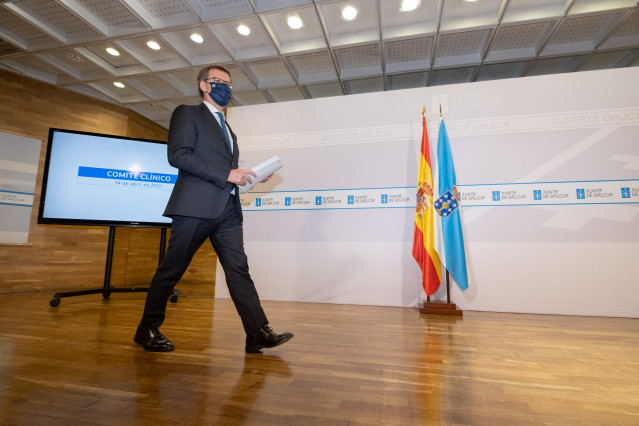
point(197, 147)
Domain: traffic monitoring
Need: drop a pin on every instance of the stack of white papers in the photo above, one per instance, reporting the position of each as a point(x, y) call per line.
point(262, 171)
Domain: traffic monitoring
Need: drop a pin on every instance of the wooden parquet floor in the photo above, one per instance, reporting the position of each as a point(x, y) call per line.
point(347, 365)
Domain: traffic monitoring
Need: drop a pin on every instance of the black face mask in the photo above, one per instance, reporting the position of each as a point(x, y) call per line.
point(220, 93)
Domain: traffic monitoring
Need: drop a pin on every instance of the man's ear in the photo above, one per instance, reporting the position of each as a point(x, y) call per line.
point(204, 87)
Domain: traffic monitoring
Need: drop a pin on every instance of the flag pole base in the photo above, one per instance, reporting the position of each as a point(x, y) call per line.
point(440, 308)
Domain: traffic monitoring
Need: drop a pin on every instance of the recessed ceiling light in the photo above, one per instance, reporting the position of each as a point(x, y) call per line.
point(153, 45)
point(197, 38)
point(471, 1)
point(409, 5)
point(119, 84)
point(243, 29)
point(295, 22)
point(112, 51)
point(349, 13)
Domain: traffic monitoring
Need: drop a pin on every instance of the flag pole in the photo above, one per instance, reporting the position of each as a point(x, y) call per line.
point(424, 116)
point(441, 115)
point(447, 289)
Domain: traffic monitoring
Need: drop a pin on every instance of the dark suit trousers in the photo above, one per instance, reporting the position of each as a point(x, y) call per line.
point(187, 235)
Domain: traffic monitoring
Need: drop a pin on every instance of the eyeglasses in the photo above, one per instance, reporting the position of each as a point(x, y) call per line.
point(219, 80)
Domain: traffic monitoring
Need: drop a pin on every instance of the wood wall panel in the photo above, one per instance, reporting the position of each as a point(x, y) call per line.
point(59, 258)
point(143, 254)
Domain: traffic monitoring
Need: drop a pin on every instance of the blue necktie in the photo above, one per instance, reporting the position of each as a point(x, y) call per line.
point(226, 132)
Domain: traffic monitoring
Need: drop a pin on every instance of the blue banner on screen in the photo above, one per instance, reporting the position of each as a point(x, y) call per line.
point(95, 172)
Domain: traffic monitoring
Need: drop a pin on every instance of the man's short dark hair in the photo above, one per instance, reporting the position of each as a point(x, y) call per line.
point(204, 74)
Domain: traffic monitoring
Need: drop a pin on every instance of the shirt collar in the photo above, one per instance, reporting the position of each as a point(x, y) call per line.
point(212, 108)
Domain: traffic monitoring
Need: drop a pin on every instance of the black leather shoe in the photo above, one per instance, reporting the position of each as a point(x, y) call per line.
point(153, 340)
point(266, 338)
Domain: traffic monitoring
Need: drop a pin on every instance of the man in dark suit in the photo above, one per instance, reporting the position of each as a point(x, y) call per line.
point(205, 204)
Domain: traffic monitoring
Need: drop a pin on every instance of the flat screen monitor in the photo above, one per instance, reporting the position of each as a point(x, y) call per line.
point(96, 179)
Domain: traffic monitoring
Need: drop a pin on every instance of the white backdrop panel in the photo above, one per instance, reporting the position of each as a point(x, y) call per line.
point(547, 168)
point(19, 158)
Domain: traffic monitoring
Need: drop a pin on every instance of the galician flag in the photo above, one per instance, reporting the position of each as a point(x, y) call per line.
point(423, 239)
point(447, 207)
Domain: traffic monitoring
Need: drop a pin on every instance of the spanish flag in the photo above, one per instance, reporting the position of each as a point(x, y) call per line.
point(424, 239)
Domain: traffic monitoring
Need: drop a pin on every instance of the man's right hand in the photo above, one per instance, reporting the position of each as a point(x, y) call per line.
point(241, 176)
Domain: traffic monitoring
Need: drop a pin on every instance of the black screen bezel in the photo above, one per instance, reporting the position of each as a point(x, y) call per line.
point(87, 222)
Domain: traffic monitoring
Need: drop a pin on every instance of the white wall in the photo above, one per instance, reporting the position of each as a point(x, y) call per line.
point(561, 151)
point(19, 157)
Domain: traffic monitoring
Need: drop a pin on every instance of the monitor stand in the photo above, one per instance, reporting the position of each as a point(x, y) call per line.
point(106, 289)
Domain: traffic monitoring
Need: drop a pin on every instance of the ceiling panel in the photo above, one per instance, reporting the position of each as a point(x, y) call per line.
point(323, 90)
point(69, 60)
point(184, 80)
point(312, 67)
point(463, 15)
point(268, 5)
point(167, 57)
point(86, 89)
point(582, 34)
point(220, 9)
point(519, 41)
point(34, 67)
point(364, 85)
point(254, 97)
point(556, 65)
point(461, 48)
point(452, 76)
point(288, 40)
point(99, 53)
point(163, 13)
point(604, 60)
point(241, 80)
point(56, 20)
point(125, 94)
point(269, 73)
point(534, 10)
point(209, 51)
point(76, 66)
point(340, 32)
point(626, 35)
point(285, 94)
point(502, 70)
point(411, 80)
point(154, 110)
point(108, 16)
point(22, 34)
point(7, 49)
point(153, 86)
point(385, 47)
point(408, 55)
point(360, 61)
point(398, 23)
point(596, 6)
point(256, 44)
